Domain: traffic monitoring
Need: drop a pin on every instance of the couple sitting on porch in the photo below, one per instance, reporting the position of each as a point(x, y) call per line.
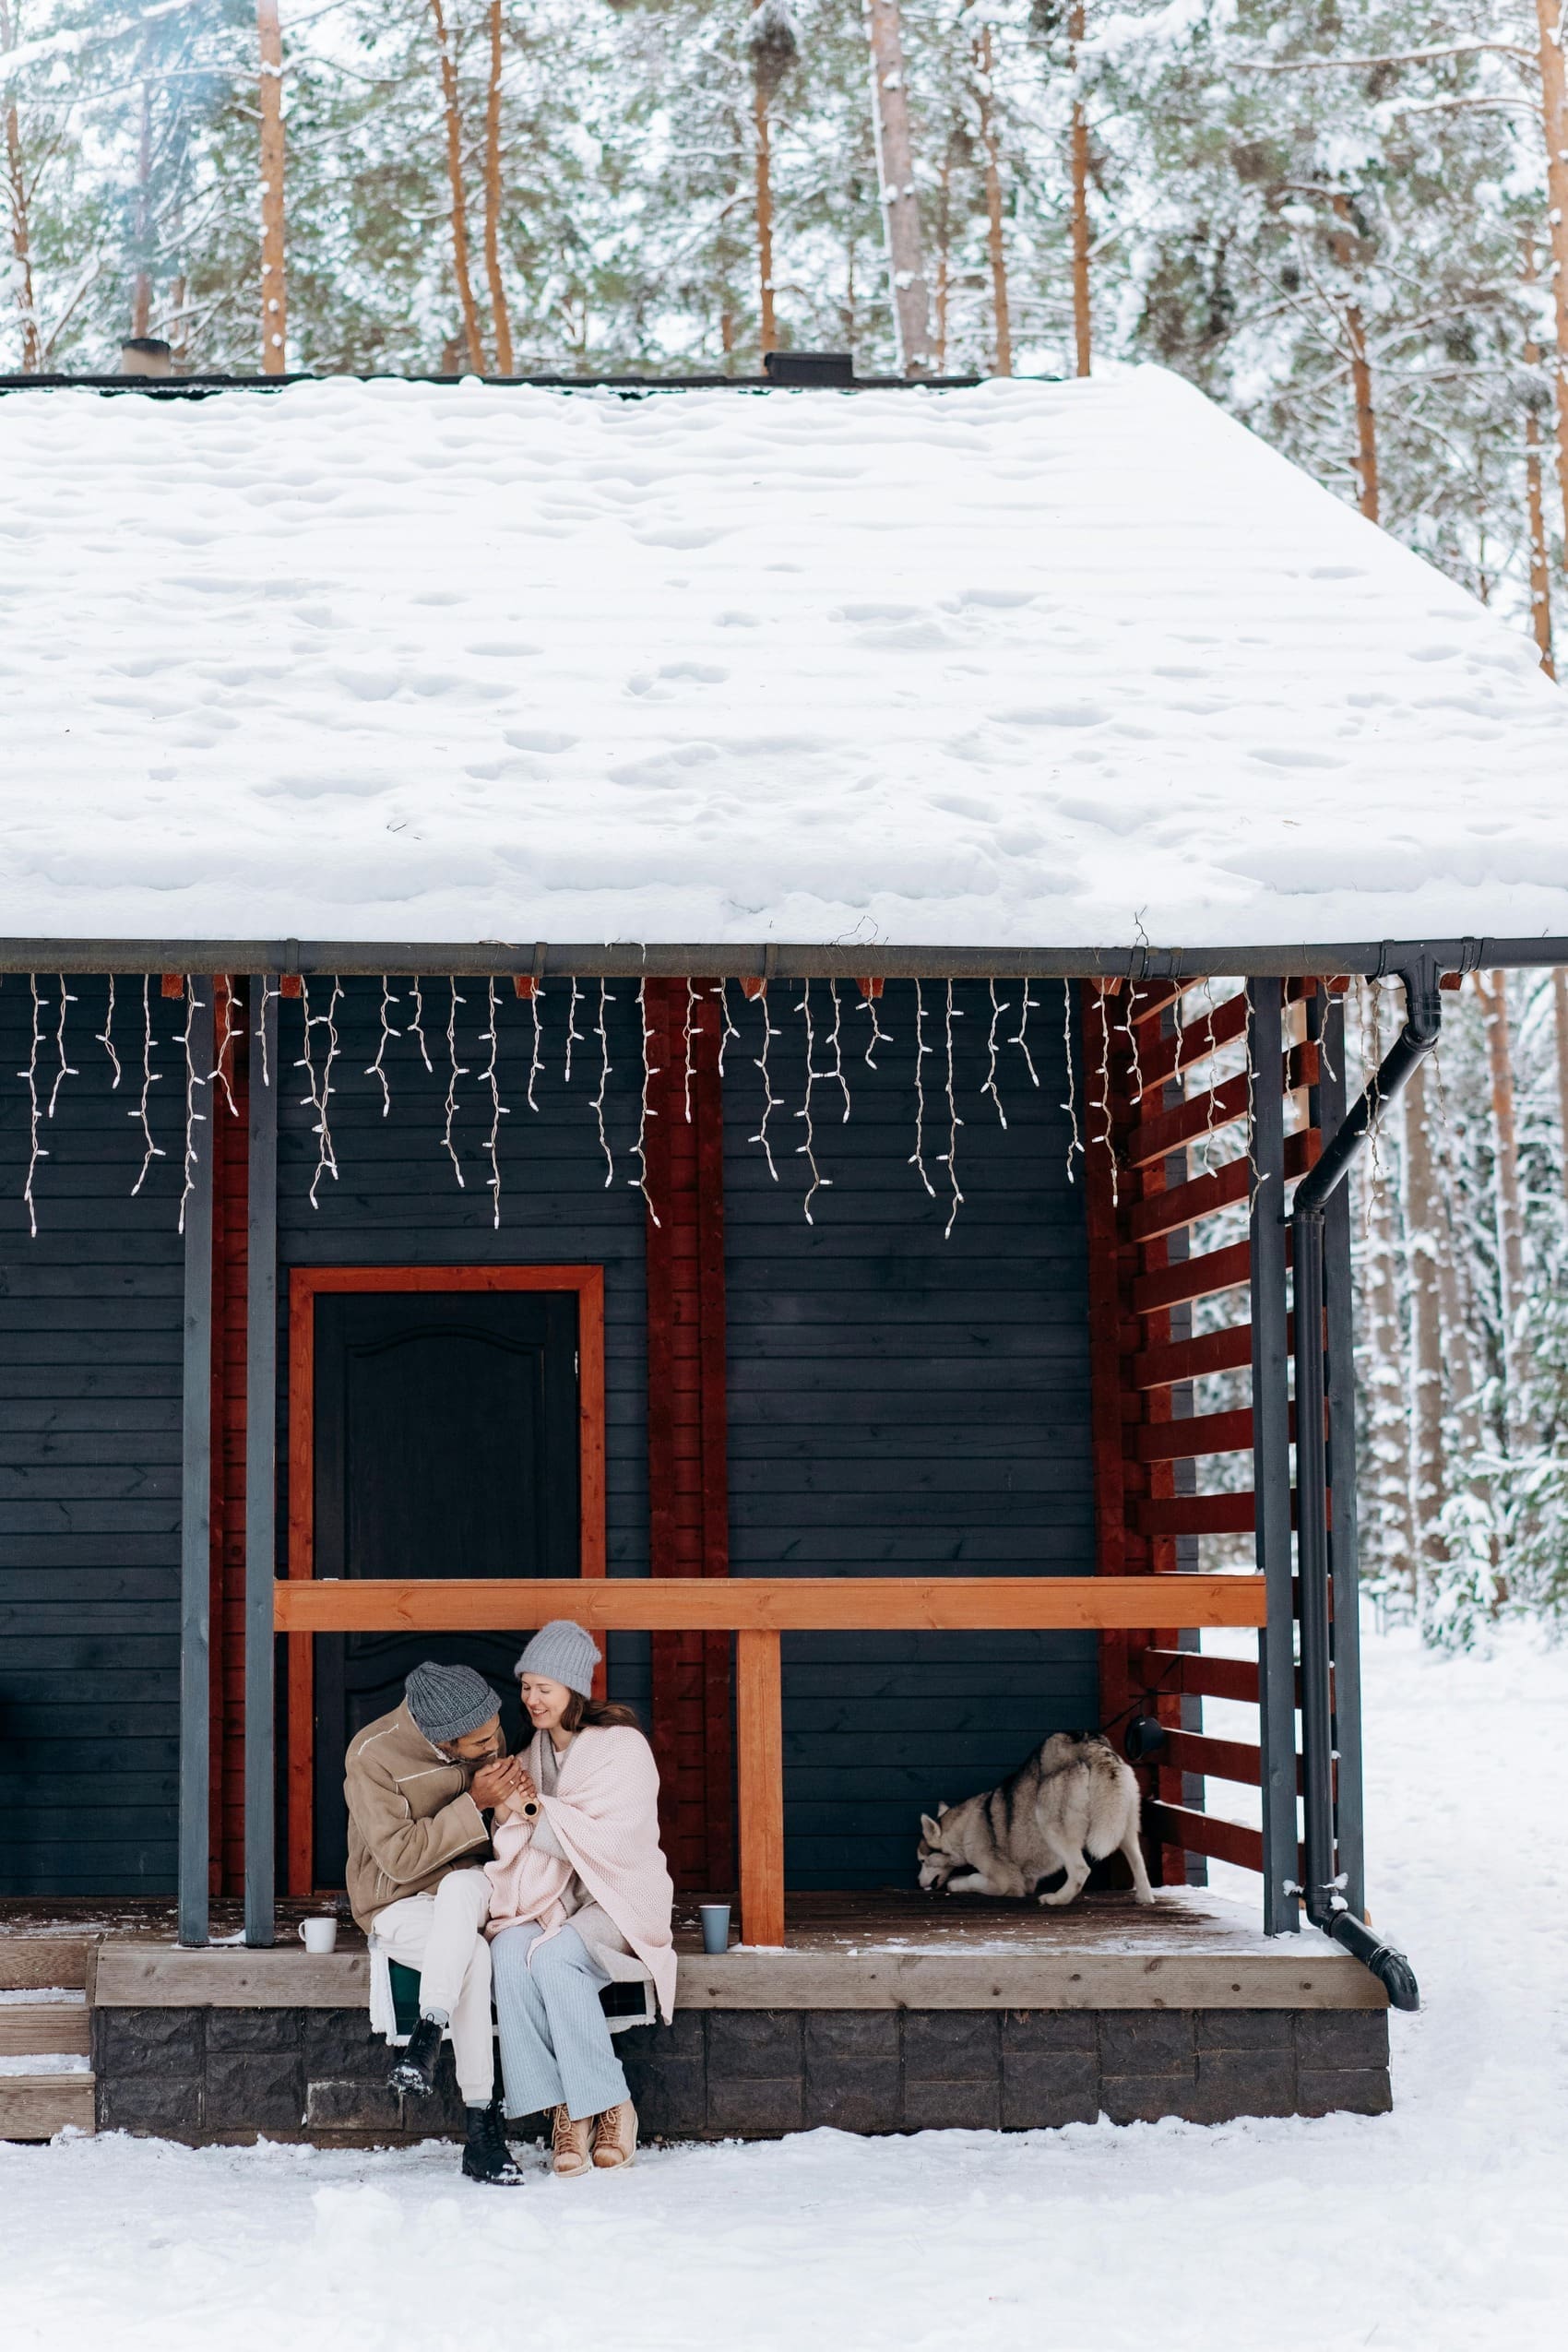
point(565, 1892)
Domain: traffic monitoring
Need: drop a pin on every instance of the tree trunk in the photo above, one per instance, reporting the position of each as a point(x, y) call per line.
point(499, 313)
point(141, 292)
point(274, 296)
point(1510, 1227)
point(1425, 1233)
point(1389, 1528)
point(17, 198)
point(459, 202)
point(993, 207)
point(895, 175)
point(1361, 374)
point(764, 217)
point(1559, 1011)
point(1079, 144)
point(943, 244)
point(1554, 122)
point(1540, 569)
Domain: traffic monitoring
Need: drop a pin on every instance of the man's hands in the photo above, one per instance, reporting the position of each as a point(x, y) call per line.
point(496, 1781)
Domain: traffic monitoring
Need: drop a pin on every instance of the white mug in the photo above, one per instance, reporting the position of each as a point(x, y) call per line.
point(319, 1935)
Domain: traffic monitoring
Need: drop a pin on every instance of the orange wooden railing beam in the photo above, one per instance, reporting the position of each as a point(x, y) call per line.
point(783, 1605)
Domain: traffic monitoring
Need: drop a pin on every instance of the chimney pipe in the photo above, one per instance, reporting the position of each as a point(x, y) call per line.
point(146, 355)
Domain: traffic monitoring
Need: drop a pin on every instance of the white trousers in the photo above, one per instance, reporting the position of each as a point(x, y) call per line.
point(439, 1935)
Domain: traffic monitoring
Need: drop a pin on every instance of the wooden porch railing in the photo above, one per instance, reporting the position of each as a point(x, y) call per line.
point(757, 1610)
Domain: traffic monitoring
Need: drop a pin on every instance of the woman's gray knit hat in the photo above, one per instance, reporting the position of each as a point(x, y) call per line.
point(561, 1652)
point(448, 1701)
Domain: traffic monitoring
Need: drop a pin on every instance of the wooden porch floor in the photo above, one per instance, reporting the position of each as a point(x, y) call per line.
point(856, 1950)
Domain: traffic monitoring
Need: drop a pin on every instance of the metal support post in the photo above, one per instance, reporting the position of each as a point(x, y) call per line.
point(261, 1484)
point(195, 1506)
point(1271, 1461)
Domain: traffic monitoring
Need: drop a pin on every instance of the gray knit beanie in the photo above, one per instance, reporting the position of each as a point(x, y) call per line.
point(448, 1701)
point(561, 1652)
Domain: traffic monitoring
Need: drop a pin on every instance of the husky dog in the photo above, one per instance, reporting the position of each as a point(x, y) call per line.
point(1071, 1803)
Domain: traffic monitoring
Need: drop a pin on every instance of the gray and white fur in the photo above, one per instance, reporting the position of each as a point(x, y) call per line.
point(1071, 1803)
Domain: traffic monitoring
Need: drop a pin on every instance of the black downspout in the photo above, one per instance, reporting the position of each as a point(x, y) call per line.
point(1326, 1904)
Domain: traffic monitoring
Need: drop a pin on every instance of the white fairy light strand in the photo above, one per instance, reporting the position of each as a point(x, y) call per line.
point(377, 1069)
point(770, 1101)
point(36, 1151)
point(990, 1087)
point(917, 1158)
point(536, 1059)
point(954, 1123)
point(879, 1036)
point(106, 1037)
point(222, 1060)
point(574, 1035)
point(455, 1070)
point(1075, 1141)
point(808, 1149)
point(604, 998)
point(490, 1077)
point(1021, 1040)
point(149, 1078)
point(269, 995)
point(64, 1071)
point(836, 1076)
point(1132, 1048)
point(1107, 1138)
point(688, 1048)
point(320, 1095)
point(645, 1110)
point(193, 1117)
point(416, 1027)
point(722, 993)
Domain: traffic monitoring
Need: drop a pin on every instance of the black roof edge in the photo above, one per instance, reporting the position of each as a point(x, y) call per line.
point(627, 959)
point(201, 387)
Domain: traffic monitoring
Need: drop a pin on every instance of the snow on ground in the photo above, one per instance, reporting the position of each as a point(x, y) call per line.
point(1438, 2228)
point(1031, 665)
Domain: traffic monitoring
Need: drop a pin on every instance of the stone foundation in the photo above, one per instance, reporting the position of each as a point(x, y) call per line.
point(232, 2073)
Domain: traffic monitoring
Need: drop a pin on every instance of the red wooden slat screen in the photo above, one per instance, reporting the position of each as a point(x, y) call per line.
point(688, 1494)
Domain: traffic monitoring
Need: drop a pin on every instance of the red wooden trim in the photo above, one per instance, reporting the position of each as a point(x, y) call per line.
point(1202, 1195)
point(1199, 1278)
point(688, 1485)
point(1182, 1360)
point(1162, 1057)
point(1178, 1827)
point(1208, 1677)
point(1214, 1759)
point(1198, 1514)
point(307, 1284)
point(172, 984)
point(1204, 1114)
point(1198, 1434)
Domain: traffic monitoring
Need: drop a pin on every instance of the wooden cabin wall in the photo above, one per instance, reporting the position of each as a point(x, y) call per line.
point(90, 1314)
point(903, 1403)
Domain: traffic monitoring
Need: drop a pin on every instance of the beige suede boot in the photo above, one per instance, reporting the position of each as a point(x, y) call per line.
point(569, 2143)
point(615, 2136)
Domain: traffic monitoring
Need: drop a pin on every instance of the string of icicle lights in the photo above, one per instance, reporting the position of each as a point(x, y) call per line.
point(433, 1013)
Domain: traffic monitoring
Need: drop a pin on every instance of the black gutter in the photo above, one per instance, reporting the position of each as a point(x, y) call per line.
point(631, 959)
point(1326, 1904)
point(202, 387)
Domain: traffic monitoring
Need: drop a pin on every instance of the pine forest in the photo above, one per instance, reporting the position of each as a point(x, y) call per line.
point(1347, 220)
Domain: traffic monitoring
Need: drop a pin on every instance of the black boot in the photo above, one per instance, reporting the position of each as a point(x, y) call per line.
point(414, 2071)
point(487, 2158)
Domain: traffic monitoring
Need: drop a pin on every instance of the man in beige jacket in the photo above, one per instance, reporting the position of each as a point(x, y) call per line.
point(419, 1782)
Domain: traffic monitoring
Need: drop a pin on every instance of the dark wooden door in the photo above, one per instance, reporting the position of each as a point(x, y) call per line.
point(447, 1444)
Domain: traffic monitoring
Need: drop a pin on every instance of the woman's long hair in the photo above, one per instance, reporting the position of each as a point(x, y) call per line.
point(597, 1713)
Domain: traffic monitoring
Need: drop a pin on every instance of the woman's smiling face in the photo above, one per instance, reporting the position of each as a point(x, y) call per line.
point(546, 1702)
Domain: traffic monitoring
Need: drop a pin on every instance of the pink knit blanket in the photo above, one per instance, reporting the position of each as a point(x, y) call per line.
point(605, 1817)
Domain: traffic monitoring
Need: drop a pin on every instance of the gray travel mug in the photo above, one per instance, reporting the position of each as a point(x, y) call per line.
point(715, 1927)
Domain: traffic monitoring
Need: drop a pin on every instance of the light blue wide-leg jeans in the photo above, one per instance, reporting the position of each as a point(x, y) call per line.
point(555, 2045)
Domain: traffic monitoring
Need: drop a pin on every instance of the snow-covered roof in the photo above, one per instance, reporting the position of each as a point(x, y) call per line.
point(1030, 665)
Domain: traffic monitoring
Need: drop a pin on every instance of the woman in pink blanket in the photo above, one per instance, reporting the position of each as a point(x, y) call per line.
point(580, 1896)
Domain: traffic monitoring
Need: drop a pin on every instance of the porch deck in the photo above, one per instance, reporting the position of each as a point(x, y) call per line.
point(883, 1949)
